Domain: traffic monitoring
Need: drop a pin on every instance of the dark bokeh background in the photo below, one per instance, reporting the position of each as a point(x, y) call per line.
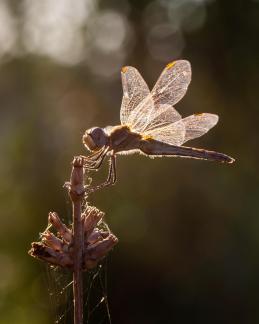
point(188, 230)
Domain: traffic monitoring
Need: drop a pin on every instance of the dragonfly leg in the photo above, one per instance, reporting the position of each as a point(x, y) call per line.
point(95, 155)
point(94, 161)
point(96, 165)
point(111, 179)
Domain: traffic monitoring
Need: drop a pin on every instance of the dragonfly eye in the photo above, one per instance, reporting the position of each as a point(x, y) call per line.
point(95, 138)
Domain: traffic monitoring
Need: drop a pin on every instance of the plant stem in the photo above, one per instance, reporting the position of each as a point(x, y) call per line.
point(76, 191)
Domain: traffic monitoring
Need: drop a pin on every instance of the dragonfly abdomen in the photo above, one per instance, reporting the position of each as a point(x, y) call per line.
point(156, 148)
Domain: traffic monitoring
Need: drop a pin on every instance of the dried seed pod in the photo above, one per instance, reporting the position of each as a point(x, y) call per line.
point(51, 241)
point(97, 251)
point(45, 253)
point(94, 237)
point(98, 241)
point(92, 216)
point(61, 228)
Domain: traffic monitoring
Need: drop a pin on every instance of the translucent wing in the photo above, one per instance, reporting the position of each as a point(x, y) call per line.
point(139, 118)
point(135, 90)
point(159, 116)
point(198, 124)
point(153, 114)
point(156, 109)
point(172, 83)
point(173, 133)
point(166, 126)
point(185, 129)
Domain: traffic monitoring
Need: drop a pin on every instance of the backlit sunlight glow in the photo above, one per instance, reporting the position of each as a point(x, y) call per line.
point(100, 38)
point(166, 20)
point(111, 38)
point(163, 40)
point(109, 31)
point(54, 28)
point(8, 33)
point(188, 15)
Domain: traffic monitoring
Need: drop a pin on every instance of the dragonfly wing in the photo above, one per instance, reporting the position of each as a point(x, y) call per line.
point(172, 83)
point(184, 130)
point(135, 90)
point(139, 118)
point(156, 109)
point(198, 124)
point(173, 133)
point(161, 115)
point(145, 111)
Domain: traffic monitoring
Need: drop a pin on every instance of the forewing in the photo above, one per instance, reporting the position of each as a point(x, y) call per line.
point(145, 111)
point(172, 83)
point(139, 118)
point(160, 116)
point(157, 110)
point(135, 90)
point(173, 133)
point(198, 124)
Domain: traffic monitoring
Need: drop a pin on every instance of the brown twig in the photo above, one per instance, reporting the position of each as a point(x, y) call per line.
point(76, 191)
point(79, 249)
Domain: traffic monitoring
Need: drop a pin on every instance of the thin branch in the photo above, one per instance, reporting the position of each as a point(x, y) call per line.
point(79, 249)
point(76, 191)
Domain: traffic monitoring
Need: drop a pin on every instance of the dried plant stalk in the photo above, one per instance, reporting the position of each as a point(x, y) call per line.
point(58, 249)
point(76, 192)
point(80, 248)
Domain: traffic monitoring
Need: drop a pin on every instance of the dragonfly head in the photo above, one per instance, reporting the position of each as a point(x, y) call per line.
point(95, 138)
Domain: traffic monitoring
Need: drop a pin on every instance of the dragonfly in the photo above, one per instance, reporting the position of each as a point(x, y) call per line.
point(150, 125)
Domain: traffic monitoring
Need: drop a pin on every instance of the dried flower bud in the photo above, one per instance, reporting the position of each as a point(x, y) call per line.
point(94, 237)
point(60, 250)
point(95, 252)
point(45, 253)
point(51, 240)
point(62, 229)
point(91, 218)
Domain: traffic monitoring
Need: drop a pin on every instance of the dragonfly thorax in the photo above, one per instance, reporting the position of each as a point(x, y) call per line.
point(95, 138)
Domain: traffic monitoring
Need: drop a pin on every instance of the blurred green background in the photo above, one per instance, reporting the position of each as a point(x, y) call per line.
point(188, 229)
